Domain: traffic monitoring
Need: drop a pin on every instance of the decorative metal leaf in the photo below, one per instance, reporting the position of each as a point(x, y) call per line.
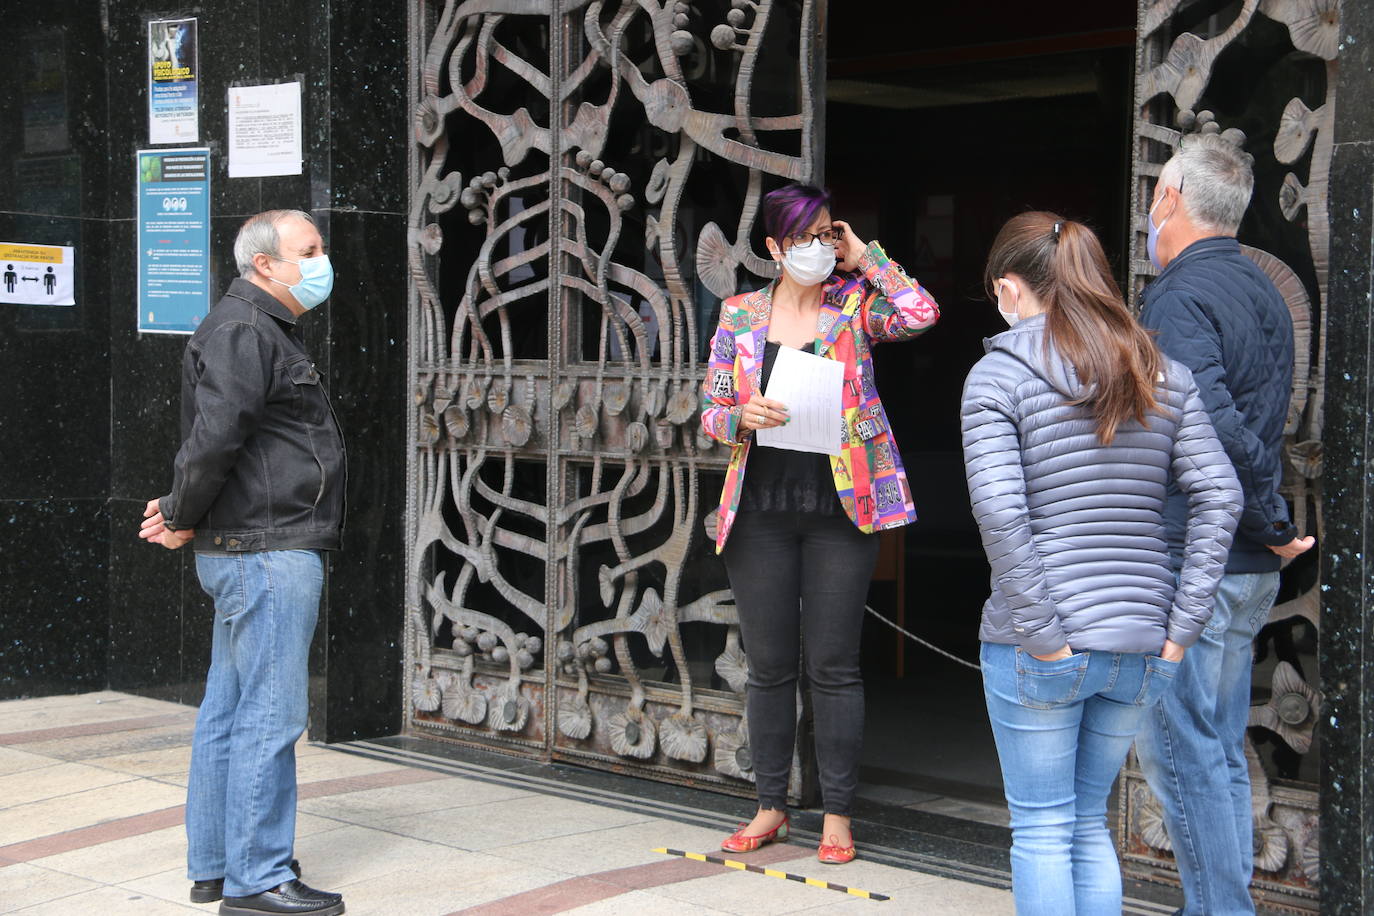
point(632, 734)
point(1295, 132)
point(616, 396)
point(1312, 857)
point(1292, 196)
point(1314, 26)
point(574, 717)
point(733, 756)
point(1152, 829)
point(429, 428)
point(683, 738)
point(456, 422)
point(586, 422)
point(425, 693)
point(464, 703)
point(1271, 846)
point(682, 406)
point(516, 425)
point(654, 620)
point(636, 437)
point(716, 261)
point(1291, 712)
point(508, 711)
point(733, 666)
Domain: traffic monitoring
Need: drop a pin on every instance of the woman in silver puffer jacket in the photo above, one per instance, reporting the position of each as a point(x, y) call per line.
point(1073, 426)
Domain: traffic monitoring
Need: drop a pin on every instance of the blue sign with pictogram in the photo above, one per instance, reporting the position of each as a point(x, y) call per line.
point(173, 240)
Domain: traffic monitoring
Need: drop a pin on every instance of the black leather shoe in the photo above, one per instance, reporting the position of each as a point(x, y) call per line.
point(212, 889)
point(290, 899)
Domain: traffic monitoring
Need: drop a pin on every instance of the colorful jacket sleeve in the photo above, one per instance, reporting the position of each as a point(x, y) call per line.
point(720, 408)
point(895, 306)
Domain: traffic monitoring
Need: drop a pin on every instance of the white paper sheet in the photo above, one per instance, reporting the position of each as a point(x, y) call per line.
point(265, 130)
point(811, 387)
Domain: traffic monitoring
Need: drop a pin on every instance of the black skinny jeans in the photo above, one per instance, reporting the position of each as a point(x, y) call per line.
point(802, 577)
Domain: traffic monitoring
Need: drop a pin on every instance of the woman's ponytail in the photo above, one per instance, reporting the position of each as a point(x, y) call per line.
point(1086, 320)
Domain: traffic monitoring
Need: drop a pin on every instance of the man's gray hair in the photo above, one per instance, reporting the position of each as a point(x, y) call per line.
point(258, 235)
point(1216, 181)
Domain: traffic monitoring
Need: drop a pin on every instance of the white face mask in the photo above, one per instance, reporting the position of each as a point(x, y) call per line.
point(1010, 317)
point(811, 263)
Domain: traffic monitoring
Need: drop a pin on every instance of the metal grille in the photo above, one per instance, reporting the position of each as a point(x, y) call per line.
point(585, 182)
point(1285, 50)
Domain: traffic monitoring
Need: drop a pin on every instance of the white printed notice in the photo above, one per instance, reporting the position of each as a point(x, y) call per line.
point(812, 389)
point(264, 130)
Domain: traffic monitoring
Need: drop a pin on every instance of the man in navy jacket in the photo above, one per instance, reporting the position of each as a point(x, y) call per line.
point(1218, 314)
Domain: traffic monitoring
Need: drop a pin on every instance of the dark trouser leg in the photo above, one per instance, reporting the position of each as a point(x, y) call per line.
point(762, 560)
point(837, 562)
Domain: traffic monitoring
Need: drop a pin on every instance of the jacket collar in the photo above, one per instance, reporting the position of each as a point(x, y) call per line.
point(1212, 245)
point(836, 306)
point(255, 295)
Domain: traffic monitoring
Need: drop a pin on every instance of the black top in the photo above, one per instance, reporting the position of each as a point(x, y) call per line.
point(783, 480)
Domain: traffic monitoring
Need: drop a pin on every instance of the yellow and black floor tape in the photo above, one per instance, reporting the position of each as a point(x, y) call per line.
point(772, 873)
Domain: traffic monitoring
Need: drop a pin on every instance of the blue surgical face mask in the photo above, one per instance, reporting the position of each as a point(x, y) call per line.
point(317, 280)
point(1152, 233)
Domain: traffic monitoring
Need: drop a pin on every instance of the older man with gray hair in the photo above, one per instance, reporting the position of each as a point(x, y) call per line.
point(1218, 314)
point(258, 483)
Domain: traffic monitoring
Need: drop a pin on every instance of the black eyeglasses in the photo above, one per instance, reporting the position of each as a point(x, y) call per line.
point(827, 236)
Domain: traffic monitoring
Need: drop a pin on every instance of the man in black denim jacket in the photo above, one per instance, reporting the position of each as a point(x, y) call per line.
point(259, 485)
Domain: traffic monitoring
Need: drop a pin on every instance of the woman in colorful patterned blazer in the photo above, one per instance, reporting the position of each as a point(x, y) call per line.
point(798, 532)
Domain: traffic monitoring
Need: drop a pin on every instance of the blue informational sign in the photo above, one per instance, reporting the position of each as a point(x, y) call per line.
point(173, 240)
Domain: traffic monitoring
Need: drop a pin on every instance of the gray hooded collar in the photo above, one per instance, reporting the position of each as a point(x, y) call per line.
point(1025, 341)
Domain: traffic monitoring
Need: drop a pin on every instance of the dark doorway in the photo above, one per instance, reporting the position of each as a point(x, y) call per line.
point(942, 122)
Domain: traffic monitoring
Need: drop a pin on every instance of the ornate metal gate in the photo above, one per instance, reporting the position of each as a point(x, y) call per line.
point(1268, 67)
point(585, 178)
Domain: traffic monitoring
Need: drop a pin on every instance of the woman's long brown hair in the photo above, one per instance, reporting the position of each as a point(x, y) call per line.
point(1086, 320)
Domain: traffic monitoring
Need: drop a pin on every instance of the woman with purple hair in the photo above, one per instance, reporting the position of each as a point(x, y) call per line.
point(798, 533)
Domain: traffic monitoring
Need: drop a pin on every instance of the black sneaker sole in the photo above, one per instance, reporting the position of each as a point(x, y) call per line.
point(226, 909)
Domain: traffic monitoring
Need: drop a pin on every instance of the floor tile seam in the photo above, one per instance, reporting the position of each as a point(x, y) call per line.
point(85, 890)
point(76, 796)
point(128, 777)
point(53, 867)
point(67, 840)
point(133, 824)
point(88, 729)
point(503, 904)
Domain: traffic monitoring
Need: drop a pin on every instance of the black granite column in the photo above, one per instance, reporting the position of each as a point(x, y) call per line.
point(351, 59)
point(54, 361)
point(1347, 669)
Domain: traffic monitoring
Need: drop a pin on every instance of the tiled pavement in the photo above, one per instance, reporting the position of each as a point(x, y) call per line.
point(91, 789)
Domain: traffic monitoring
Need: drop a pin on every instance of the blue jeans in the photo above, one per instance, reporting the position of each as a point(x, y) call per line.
point(241, 797)
point(1192, 751)
point(1063, 729)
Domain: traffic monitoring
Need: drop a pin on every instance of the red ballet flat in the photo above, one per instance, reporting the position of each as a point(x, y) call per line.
point(834, 854)
point(739, 841)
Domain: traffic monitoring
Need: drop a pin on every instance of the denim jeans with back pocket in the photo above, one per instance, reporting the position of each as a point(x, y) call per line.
point(1063, 729)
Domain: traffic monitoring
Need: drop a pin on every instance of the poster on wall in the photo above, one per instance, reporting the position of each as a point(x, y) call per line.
point(37, 274)
point(265, 130)
point(173, 194)
point(173, 67)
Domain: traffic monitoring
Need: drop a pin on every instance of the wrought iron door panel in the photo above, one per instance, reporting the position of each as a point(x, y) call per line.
point(1283, 70)
point(586, 176)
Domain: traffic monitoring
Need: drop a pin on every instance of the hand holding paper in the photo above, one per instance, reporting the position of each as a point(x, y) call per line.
point(811, 387)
